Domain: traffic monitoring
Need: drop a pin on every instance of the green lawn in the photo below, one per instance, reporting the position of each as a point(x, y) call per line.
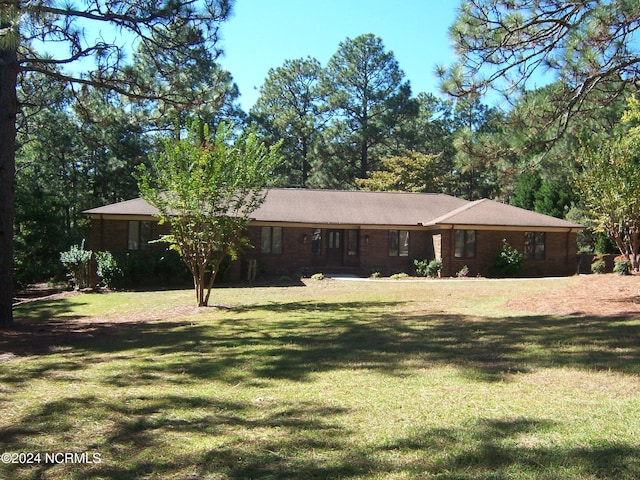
point(358, 380)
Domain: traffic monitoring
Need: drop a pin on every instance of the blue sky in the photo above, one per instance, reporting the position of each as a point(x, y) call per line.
point(262, 34)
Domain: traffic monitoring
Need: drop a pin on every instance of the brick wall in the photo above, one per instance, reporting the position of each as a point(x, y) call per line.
point(560, 250)
point(560, 253)
point(373, 252)
point(113, 235)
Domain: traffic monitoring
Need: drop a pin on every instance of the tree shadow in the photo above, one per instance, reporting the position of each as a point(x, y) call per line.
point(306, 337)
point(295, 440)
point(496, 448)
point(265, 441)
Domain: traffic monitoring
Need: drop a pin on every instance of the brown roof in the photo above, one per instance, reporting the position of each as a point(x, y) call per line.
point(340, 207)
point(353, 207)
point(486, 212)
point(137, 206)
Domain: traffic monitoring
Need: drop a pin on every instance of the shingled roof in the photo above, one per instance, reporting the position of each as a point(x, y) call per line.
point(353, 207)
point(340, 207)
point(486, 212)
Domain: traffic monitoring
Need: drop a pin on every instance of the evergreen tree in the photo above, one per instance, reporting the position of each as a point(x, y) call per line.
point(291, 107)
point(366, 91)
point(102, 30)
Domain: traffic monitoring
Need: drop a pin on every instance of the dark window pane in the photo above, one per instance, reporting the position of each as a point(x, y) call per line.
point(394, 240)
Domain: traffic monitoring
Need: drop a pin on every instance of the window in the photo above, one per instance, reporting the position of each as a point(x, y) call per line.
point(352, 242)
point(534, 245)
point(271, 240)
point(333, 239)
point(139, 235)
point(398, 243)
point(316, 242)
point(464, 244)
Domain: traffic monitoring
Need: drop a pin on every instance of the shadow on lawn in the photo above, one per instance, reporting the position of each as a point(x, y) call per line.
point(297, 339)
point(294, 441)
point(267, 439)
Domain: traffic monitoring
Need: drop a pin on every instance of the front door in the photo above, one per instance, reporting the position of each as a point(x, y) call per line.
point(335, 241)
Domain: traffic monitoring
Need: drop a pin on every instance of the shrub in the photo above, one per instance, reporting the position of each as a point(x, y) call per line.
point(622, 266)
point(77, 260)
point(142, 269)
point(463, 272)
point(397, 276)
point(509, 261)
point(598, 265)
point(375, 275)
point(434, 268)
point(425, 268)
point(421, 267)
point(317, 276)
point(107, 268)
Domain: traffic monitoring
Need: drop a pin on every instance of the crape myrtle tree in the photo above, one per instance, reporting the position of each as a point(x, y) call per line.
point(103, 30)
point(590, 47)
point(206, 190)
point(609, 184)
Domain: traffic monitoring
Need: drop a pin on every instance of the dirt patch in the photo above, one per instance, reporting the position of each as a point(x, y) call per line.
point(590, 295)
point(43, 291)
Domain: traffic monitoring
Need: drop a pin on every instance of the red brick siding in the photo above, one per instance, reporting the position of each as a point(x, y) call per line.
point(560, 253)
point(113, 235)
point(373, 252)
point(560, 250)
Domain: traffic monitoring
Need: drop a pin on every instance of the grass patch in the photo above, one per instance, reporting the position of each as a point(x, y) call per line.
point(332, 380)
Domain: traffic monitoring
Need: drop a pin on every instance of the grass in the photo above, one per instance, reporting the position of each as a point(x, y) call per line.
point(396, 380)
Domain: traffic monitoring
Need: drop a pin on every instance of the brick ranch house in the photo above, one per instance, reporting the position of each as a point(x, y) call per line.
point(336, 231)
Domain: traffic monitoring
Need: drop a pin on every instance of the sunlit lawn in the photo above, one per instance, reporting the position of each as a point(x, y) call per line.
point(334, 379)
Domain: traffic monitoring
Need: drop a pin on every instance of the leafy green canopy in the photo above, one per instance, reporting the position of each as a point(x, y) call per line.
point(206, 191)
point(609, 183)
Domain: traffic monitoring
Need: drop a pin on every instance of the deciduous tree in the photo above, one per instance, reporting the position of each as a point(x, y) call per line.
point(103, 30)
point(608, 184)
point(206, 190)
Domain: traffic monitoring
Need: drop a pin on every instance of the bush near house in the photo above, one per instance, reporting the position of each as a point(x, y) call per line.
point(509, 261)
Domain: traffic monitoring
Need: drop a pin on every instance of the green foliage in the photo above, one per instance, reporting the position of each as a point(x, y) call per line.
point(463, 272)
point(609, 184)
point(411, 172)
point(398, 276)
point(366, 90)
point(622, 266)
point(504, 45)
point(541, 195)
point(509, 261)
point(375, 275)
point(426, 268)
point(206, 190)
point(71, 158)
point(141, 269)
point(77, 261)
point(107, 268)
point(598, 265)
point(317, 276)
point(291, 108)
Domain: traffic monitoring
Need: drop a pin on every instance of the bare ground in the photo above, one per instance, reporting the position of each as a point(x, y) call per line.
point(592, 295)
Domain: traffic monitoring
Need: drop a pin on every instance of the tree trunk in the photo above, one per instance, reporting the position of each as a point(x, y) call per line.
point(8, 110)
point(305, 162)
point(212, 279)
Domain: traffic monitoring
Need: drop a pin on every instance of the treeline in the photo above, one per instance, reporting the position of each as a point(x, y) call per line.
point(351, 124)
